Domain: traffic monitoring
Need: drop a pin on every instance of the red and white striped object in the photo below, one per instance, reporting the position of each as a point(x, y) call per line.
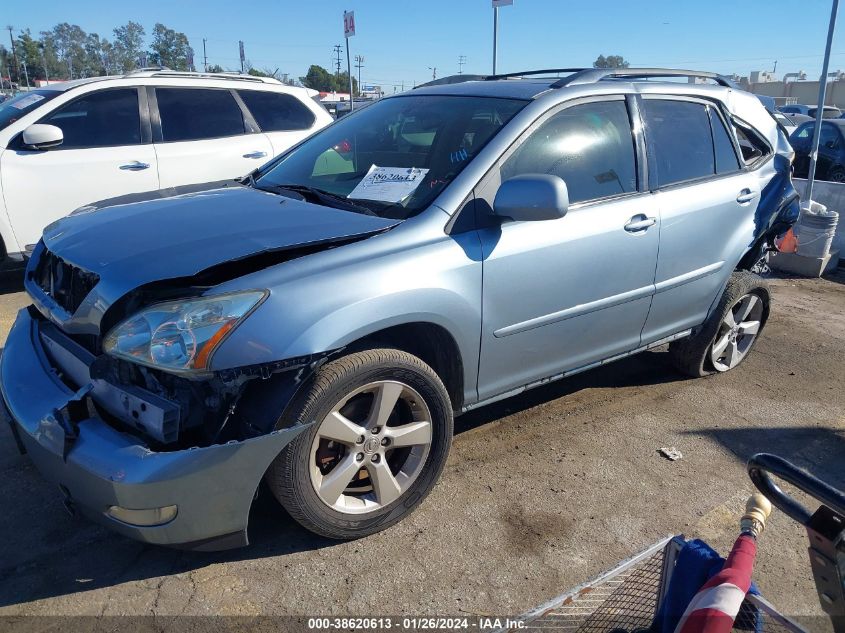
point(715, 606)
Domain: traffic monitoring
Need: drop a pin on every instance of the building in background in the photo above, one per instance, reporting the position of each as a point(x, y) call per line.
point(794, 87)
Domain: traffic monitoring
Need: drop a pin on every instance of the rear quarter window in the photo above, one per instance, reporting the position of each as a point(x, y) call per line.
point(277, 112)
point(751, 144)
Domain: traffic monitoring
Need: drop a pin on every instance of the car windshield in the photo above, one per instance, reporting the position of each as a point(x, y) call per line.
point(394, 157)
point(24, 103)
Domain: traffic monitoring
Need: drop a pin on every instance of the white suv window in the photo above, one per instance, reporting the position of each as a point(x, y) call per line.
point(192, 114)
point(106, 118)
point(277, 112)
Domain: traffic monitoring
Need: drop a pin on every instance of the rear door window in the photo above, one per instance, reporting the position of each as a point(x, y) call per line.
point(679, 139)
point(829, 137)
point(277, 112)
point(726, 160)
point(192, 114)
point(106, 118)
point(589, 146)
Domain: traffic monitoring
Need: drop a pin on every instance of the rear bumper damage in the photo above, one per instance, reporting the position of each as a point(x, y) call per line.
point(99, 468)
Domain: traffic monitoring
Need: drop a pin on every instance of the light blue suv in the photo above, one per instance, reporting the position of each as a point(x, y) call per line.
point(319, 323)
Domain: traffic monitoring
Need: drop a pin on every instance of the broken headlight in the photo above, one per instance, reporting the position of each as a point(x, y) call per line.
point(180, 335)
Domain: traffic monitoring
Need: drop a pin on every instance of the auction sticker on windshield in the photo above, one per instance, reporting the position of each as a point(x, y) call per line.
point(388, 184)
point(28, 100)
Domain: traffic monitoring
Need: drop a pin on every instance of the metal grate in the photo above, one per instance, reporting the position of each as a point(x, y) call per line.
point(626, 599)
point(66, 284)
point(627, 602)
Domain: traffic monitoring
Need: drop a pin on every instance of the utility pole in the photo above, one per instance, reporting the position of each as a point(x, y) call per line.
point(775, 67)
point(495, 37)
point(814, 147)
point(25, 73)
point(433, 72)
point(359, 64)
point(10, 28)
point(337, 50)
point(44, 62)
point(496, 5)
point(349, 72)
point(204, 57)
point(462, 59)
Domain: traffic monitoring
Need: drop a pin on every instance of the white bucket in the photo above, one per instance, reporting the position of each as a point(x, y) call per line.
point(815, 230)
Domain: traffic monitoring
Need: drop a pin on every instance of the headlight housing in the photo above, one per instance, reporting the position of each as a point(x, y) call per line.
point(179, 336)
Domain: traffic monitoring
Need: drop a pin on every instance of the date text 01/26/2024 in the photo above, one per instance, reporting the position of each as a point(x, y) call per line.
point(411, 623)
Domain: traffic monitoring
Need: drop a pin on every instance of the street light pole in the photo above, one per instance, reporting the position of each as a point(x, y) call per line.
point(814, 150)
point(495, 37)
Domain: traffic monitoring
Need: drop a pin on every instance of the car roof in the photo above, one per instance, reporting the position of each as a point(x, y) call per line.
point(508, 88)
point(533, 83)
point(164, 73)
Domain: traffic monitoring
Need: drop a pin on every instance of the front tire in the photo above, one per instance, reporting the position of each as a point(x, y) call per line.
point(729, 333)
point(382, 435)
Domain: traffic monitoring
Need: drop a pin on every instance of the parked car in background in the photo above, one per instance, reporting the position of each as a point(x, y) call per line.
point(319, 324)
point(68, 144)
point(829, 112)
point(788, 122)
point(830, 164)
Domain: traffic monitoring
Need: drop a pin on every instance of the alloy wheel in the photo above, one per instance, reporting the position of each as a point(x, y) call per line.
point(371, 447)
point(737, 332)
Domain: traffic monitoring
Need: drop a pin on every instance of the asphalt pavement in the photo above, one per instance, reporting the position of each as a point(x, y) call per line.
point(541, 492)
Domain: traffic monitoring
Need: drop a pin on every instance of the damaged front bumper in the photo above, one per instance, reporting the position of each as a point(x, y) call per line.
point(99, 468)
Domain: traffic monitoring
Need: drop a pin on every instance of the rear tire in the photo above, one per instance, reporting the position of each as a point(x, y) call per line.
point(341, 487)
point(837, 174)
point(729, 333)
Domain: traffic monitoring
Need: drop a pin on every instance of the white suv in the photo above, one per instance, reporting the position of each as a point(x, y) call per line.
point(77, 142)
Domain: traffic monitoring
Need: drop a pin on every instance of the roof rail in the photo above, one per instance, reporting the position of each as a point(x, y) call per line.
point(166, 72)
point(452, 79)
point(457, 79)
point(593, 75)
point(145, 69)
point(525, 73)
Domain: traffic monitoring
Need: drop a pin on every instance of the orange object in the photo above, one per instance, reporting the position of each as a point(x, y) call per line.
point(788, 243)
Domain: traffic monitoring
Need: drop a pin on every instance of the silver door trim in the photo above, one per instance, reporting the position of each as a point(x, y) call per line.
point(574, 311)
point(686, 278)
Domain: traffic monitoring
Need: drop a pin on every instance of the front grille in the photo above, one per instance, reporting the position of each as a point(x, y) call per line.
point(66, 284)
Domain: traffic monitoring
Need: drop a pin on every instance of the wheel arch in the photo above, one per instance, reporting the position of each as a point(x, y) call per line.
point(430, 342)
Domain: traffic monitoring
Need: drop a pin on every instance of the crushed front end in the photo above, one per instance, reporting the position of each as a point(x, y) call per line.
point(159, 457)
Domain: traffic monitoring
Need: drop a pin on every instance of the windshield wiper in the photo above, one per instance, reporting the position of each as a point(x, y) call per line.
point(312, 194)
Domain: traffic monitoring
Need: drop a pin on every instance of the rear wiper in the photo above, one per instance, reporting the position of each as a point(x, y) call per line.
point(318, 195)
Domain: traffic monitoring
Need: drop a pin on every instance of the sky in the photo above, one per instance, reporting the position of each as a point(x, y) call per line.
point(402, 41)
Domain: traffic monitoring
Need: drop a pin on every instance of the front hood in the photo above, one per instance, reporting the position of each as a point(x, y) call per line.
point(180, 236)
point(128, 245)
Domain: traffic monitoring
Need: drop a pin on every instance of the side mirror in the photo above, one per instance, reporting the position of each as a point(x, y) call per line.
point(532, 197)
point(41, 136)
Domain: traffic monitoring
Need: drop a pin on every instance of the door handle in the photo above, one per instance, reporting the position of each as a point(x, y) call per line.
point(255, 155)
point(639, 223)
point(135, 165)
point(746, 195)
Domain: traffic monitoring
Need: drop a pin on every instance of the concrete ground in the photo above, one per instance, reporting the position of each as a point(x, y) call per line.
point(541, 492)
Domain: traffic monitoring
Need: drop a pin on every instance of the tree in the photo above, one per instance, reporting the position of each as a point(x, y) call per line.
point(321, 79)
point(128, 46)
point(216, 68)
point(29, 56)
point(68, 40)
point(611, 61)
point(169, 48)
point(6, 66)
point(318, 78)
